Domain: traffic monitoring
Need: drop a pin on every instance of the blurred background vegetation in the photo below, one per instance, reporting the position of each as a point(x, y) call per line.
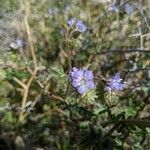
point(114, 42)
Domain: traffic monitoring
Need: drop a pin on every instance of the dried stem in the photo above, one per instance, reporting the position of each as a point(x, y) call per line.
point(32, 50)
point(27, 7)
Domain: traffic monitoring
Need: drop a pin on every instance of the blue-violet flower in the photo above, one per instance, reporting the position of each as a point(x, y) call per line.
point(128, 8)
point(82, 80)
point(80, 26)
point(71, 21)
point(114, 7)
point(115, 83)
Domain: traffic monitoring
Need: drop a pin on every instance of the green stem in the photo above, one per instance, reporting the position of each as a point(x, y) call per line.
point(69, 62)
point(109, 112)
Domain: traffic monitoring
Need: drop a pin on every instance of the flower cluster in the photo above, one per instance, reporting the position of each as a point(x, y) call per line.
point(82, 80)
point(80, 26)
point(128, 8)
point(115, 83)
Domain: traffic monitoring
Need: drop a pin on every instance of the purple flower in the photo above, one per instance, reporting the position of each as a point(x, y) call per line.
point(17, 44)
point(128, 8)
point(80, 26)
point(71, 21)
point(82, 79)
point(114, 8)
point(115, 83)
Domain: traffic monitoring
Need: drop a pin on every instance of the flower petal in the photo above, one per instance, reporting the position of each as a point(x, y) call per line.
point(88, 75)
point(82, 89)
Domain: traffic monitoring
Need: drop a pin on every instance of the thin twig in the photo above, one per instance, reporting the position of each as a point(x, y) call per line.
point(29, 33)
point(32, 50)
point(20, 82)
point(125, 51)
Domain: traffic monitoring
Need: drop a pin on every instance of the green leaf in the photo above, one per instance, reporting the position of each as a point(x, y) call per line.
point(84, 124)
point(58, 71)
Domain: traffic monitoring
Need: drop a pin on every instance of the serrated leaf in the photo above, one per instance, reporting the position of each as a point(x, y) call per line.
point(57, 71)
